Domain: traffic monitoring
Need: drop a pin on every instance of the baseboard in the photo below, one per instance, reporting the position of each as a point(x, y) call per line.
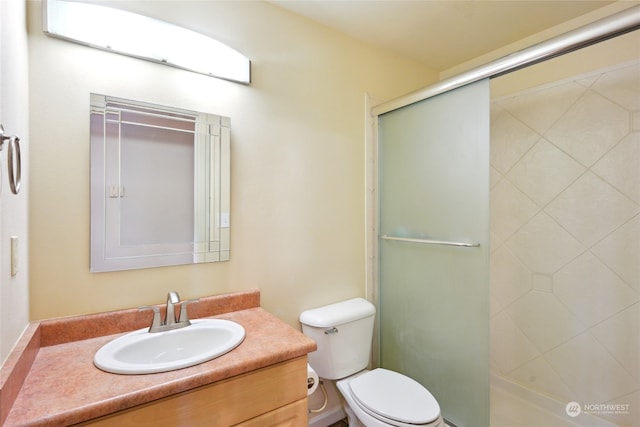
point(332, 413)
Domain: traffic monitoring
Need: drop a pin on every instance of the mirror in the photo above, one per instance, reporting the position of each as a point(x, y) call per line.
point(160, 185)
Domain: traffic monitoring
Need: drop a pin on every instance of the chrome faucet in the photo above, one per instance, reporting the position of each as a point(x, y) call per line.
point(170, 321)
point(170, 316)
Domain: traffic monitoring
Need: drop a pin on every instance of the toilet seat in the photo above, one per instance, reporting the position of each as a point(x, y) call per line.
point(394, 398)
point(391, 399)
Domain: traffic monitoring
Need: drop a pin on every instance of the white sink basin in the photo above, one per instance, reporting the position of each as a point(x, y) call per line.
point(141, 352)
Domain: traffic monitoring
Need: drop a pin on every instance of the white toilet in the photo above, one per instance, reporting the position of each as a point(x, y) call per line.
point(376, 398)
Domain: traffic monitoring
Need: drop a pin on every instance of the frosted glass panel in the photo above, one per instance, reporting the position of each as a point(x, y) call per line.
point(434, 300)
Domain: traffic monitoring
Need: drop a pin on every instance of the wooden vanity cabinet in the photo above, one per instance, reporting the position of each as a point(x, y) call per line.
point(271, 396)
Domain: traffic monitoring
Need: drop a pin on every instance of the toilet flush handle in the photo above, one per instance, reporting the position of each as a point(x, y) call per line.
point(333, 330)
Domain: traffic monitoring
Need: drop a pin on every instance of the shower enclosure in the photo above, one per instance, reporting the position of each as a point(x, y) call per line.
point(564, 240)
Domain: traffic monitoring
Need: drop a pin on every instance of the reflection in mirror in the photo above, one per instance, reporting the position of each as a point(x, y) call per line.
point(160, 185)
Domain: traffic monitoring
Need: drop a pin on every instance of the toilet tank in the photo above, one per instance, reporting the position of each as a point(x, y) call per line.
point(343, 333)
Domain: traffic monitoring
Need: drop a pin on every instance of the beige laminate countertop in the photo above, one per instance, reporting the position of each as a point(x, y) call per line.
point(62, 386)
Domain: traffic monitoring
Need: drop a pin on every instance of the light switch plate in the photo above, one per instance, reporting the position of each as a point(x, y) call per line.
point(14, 255)
point(224, 219)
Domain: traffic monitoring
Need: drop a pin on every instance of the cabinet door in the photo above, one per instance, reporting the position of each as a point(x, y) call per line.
point(292, 415)
point(224, 403)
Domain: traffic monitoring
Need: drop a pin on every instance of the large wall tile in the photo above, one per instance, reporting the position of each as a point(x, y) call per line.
point(621, 166)
point(544, 320)
point(510, 279)
point(494, 176)
point(621, 86)
point(590, 128)
point(544, 172)
point(495, 305)
point(510, 209)
point(543, 245)
point(510, 139)
point(619, 335)
point(591, 290)
point(539, 109)
point(511, 347)
point(590, 209)
point(621, 251)
point(590, 371)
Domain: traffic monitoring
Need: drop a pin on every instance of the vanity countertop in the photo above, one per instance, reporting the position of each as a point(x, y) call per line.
point(63, 387)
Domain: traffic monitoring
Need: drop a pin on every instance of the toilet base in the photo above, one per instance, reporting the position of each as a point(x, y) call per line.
point(351, 417)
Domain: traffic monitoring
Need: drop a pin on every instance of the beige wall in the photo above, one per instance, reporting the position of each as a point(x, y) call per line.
point(14, 114)
point(297, 159)
point(581, 61)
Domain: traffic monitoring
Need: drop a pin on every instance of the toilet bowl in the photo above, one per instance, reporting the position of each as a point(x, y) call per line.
point(378, 398)
point(382, 398)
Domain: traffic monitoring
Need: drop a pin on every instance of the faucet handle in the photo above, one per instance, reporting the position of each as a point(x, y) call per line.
point(184, 316)
point(157, 321)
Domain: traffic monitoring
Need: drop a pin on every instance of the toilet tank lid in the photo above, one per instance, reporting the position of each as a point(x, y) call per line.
point(338, 313)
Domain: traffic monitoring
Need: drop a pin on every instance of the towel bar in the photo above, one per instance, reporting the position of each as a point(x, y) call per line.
point(431, 242)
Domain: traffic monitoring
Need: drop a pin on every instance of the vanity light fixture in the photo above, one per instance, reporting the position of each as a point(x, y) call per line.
point(142, 37)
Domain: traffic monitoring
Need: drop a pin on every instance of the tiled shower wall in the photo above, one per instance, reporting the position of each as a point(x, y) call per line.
point(565, 225)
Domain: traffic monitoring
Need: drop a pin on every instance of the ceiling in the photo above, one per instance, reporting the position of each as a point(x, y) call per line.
point(440, 33)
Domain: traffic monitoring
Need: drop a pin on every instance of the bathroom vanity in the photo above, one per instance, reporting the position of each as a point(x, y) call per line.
point(262, 382)
point(259, 398)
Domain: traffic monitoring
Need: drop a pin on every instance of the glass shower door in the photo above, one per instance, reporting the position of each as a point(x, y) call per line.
point(434, 297)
